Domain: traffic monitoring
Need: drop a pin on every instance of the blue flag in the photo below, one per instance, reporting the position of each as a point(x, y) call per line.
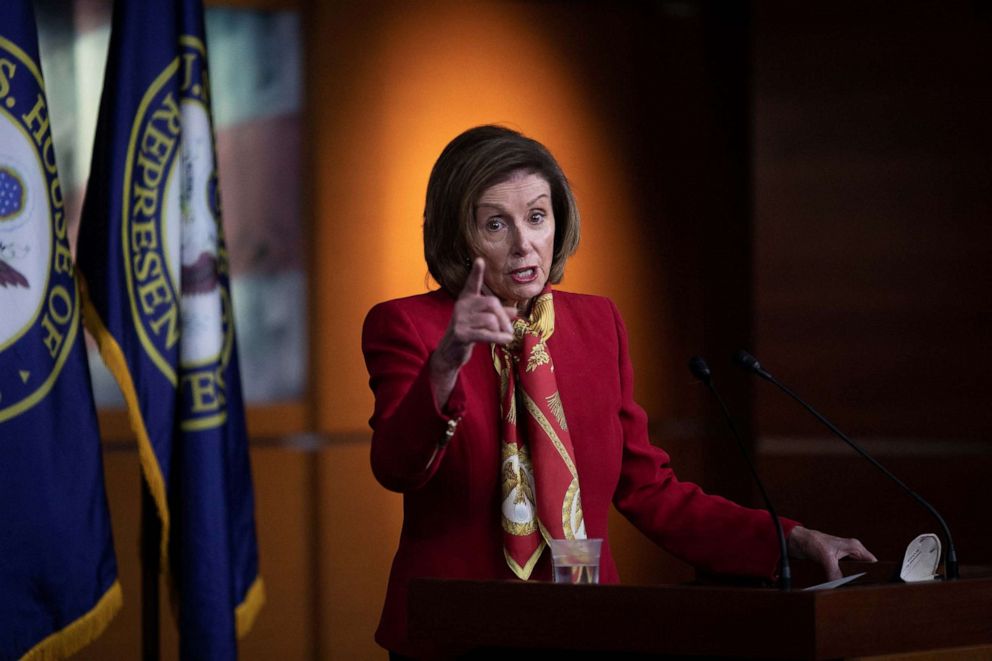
point(151, 252)
point(58, 574)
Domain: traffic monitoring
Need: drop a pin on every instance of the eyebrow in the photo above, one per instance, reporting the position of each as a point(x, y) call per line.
point(494, 205)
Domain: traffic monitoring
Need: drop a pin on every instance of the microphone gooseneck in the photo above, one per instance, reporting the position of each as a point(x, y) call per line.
point(749, 363)
point(701, 371)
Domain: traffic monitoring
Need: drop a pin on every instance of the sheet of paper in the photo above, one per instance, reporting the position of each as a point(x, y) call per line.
point(829, 585)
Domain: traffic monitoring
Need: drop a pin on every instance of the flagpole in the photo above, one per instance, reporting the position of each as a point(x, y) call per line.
point(151, 534)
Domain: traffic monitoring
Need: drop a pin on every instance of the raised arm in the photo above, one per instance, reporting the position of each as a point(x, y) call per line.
point(414, 377)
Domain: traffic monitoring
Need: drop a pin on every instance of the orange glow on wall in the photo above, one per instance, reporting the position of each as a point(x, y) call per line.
point(422, 74)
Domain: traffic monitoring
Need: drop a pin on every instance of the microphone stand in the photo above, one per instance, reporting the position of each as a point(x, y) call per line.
point(750, 364)
point(702, 372)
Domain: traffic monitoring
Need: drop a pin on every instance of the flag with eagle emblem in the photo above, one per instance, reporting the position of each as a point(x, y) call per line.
point(58, 573)
point(155, 269)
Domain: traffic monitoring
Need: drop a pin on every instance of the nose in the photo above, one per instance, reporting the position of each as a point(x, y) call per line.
point(519, 241)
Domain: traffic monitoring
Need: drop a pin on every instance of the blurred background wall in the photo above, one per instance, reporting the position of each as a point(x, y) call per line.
point(809, 180)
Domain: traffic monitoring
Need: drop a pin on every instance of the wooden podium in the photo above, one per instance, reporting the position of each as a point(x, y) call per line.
point(467, 616)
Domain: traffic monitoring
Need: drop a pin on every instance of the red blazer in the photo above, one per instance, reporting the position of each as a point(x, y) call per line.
point(451, 492)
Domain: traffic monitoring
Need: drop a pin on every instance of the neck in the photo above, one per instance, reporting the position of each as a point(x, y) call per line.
point(523, 307)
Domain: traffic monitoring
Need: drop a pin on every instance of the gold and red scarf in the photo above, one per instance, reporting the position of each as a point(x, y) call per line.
point(540, 486)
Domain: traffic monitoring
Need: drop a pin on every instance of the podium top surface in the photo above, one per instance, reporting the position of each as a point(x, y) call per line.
point(699, 620)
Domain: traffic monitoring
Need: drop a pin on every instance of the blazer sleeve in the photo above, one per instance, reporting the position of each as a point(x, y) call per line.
point(707, 531)
point(409, 431)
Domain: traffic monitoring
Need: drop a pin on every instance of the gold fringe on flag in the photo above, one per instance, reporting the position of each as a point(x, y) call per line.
point(247, 610)
point(80, 633)
point(114, 359)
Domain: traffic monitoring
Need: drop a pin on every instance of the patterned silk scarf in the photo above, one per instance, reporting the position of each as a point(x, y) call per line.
point(540, 484)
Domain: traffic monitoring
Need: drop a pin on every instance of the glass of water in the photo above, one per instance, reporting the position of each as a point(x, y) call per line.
point(576, 560)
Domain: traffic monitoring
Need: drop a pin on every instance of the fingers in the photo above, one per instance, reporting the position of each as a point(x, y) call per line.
point(510, 311)
point(483, 319)
point(504, 315)
point(838, 548)
point(479, 316)
point(856, 551)
point(827, 550)
point(473, 284)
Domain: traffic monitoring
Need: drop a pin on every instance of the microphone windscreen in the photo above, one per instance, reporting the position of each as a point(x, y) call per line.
point(747, 361)
point(700, 369)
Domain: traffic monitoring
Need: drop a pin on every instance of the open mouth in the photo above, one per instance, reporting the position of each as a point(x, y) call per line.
point(524, 275)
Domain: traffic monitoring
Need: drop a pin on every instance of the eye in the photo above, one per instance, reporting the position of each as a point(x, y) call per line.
point(494, 224)
point(537, 217)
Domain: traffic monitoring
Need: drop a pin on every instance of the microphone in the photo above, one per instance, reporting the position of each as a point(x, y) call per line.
point(749, 363)
point(701, 371)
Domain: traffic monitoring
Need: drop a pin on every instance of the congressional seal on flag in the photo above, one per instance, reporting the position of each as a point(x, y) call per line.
point(174, 257)
point(151, 248)
point(36, 275)
point(58, 573)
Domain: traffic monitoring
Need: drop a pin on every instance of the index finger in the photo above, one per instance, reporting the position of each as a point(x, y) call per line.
point(473, 284)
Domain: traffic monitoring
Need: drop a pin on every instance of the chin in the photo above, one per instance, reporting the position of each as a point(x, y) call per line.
point(514, 294)
point(527, 293)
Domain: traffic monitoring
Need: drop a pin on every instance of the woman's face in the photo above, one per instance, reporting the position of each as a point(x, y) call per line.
point(515, 234)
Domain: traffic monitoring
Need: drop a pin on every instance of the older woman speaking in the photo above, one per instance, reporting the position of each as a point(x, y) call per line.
point(504, 407)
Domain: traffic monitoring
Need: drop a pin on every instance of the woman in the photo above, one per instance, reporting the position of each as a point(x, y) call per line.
point(504, 409)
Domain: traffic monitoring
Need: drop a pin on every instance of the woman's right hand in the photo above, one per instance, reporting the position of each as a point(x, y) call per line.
point(477, 317)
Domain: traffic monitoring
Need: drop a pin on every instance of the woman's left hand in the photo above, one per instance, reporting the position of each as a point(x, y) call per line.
point(826, 550)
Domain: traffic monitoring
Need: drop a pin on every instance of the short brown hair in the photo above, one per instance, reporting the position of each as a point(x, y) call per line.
point(475, 160)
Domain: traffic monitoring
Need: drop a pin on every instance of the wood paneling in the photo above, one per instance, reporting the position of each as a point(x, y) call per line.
point(359, 530)
point(873, 262)
point(273, 420)
point(841, 493)
point(873, 247)
point(284, 518)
